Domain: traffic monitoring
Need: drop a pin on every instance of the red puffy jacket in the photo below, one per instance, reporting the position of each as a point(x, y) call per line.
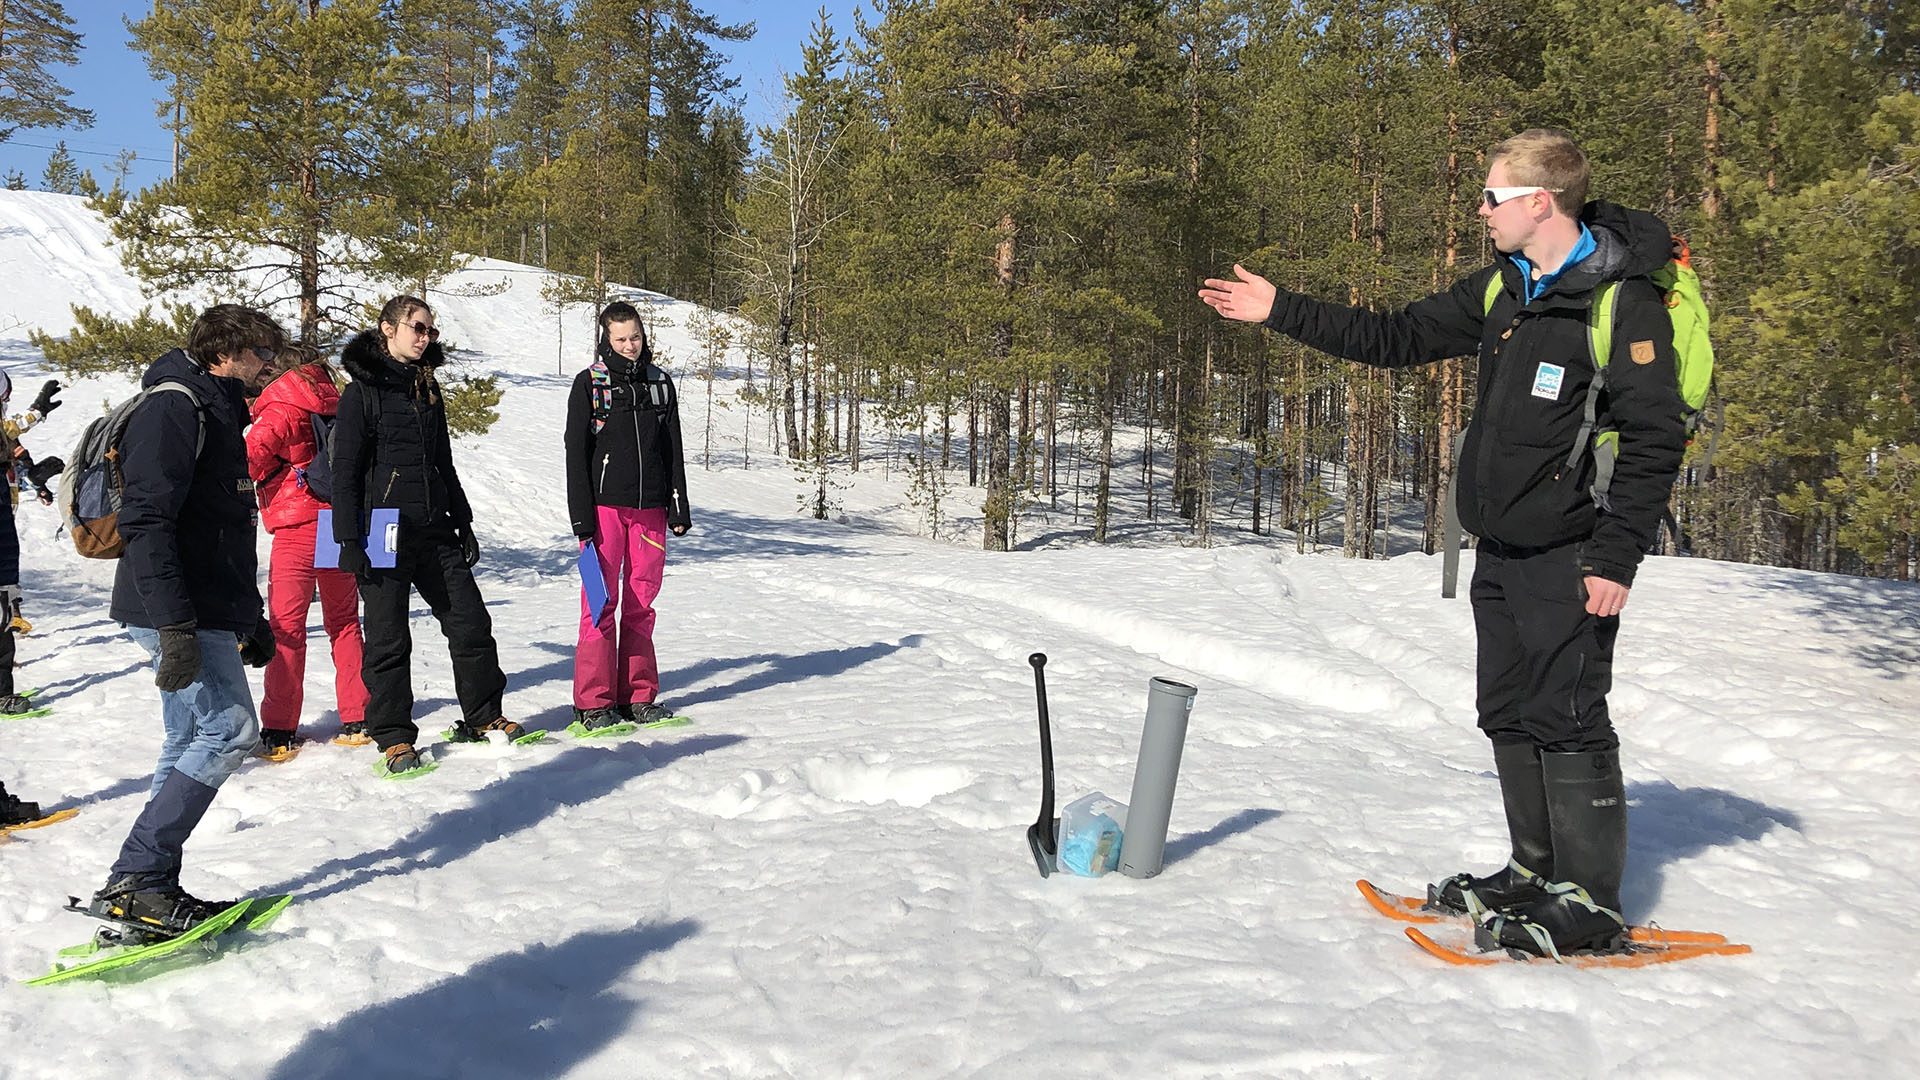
point(281, 441)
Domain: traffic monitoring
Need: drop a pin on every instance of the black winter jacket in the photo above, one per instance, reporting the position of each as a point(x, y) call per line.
point(637, 458)
point(390, 446)
point(1514, 484)
point(188, 521)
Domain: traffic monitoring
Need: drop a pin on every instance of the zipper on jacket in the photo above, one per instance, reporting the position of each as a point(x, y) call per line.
point(391, 480)
point(605, 460)
point(640, 452)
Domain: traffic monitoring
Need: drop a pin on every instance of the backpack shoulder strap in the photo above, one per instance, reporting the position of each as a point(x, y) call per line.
point(1493, 292)
point(199, 411)
point(1601, 317)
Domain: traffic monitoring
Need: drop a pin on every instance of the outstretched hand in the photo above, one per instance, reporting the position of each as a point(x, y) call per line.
point(1249, 299)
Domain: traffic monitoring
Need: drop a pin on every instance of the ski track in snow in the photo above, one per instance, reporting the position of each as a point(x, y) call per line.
point(825, 875)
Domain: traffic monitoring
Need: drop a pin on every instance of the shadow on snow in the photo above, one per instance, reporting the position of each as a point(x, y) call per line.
point(536, 1012)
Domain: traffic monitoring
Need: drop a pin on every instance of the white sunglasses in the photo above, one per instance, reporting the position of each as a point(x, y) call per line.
point(1494, 196)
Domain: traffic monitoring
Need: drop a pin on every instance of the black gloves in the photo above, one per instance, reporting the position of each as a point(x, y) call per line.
point(46, 402)
point(353, 559)
point(179, 657)
point(256, 649)
point(584, 533)
point(45, 470)
point(469, 546)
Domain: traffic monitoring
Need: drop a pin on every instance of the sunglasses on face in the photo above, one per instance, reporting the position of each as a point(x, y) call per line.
point(1494, 196)
point(262, 354)
point(431, 333)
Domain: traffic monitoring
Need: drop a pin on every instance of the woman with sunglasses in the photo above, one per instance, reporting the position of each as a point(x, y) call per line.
point(391, 449)
point(289, 417)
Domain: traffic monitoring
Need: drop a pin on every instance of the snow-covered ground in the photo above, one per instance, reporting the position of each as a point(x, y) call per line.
point(827, 876)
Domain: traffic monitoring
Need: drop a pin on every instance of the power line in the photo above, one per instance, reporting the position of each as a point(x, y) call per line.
point(88, 153)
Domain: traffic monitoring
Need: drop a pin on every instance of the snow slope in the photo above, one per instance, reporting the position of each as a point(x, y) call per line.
point(826, 876)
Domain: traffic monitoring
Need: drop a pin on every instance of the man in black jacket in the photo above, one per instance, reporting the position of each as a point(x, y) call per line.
point(185, 590)
point(1559, 540)
point(626, 489)
point(391, 448)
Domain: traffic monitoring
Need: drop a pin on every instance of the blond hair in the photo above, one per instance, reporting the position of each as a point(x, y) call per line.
point(1551, 159)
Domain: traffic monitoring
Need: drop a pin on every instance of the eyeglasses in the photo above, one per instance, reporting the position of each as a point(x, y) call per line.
point(262, 354)
point(1494, 196)
point(431, 333)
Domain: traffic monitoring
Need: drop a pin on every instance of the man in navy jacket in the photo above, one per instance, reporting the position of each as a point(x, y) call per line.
point(1559, 539)
point(185, 590)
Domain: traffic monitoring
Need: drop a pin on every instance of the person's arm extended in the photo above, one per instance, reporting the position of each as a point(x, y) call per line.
point(1445, 324)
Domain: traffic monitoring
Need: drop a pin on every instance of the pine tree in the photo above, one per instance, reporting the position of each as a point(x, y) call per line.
point(296, 173)
point(36, 35)
point(62, 176)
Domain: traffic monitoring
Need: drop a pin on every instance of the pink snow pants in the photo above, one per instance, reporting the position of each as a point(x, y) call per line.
point(615, 664)
point(290, 581)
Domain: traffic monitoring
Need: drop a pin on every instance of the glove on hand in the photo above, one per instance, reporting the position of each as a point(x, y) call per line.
point(179, 658)
point(46, 402)
point(469, 547)
point(353, 559)
point(256, 649)
point(45, 470)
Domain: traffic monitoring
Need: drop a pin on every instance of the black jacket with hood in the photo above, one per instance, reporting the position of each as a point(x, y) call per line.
point(188, 520)
point(636, 459)
point(390, 446)
point(1515, 486)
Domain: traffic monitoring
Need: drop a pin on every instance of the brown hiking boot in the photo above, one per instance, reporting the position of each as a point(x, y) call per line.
point(401, 758)
point(464, 732)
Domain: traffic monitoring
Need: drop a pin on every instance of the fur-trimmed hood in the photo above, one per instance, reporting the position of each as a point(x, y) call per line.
point(367, 360)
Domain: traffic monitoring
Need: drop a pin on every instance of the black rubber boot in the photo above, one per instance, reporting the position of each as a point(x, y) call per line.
point(16, 811)
point(1522, 881)
point(1587, 803)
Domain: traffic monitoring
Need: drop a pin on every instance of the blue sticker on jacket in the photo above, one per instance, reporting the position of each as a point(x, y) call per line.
point(1546, 381)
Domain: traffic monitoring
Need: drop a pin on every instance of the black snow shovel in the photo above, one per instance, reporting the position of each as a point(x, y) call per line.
point(1042, 835)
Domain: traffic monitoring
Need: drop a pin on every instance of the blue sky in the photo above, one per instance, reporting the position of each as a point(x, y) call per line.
point(111, 79)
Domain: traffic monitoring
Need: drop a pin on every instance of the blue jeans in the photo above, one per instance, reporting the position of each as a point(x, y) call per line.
point(210, 726)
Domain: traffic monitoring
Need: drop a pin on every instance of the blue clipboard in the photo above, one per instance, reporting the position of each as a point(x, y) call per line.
point(593, 584)
point(382, 541)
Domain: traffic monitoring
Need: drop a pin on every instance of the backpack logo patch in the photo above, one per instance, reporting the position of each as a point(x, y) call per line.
point(1547, 380)
point(1641, 351)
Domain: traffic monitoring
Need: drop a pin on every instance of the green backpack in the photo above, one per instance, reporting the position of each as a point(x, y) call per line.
point(1693, 355)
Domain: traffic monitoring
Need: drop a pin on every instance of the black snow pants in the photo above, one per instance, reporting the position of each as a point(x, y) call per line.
point(428, 560)
point(1545, 665)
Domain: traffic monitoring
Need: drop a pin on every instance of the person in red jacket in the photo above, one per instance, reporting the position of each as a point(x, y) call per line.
point(281, 447)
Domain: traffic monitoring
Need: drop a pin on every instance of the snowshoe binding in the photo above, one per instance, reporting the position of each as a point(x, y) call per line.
point(1512, 886)
point(464, 732)
point(145, 911)
point(599, 723)
point(279, 746)
point(402, 762)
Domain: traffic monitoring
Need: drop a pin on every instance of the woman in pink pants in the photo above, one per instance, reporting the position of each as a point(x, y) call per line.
point(626, 489)
point(281, 447)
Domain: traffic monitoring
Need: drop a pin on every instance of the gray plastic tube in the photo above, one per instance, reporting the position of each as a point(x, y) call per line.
point(1144, 844)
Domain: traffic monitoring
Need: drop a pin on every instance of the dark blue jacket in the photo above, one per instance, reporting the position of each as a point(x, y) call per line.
point(188, 521)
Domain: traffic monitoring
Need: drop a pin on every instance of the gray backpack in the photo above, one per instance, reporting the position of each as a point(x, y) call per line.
point(91, 487)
